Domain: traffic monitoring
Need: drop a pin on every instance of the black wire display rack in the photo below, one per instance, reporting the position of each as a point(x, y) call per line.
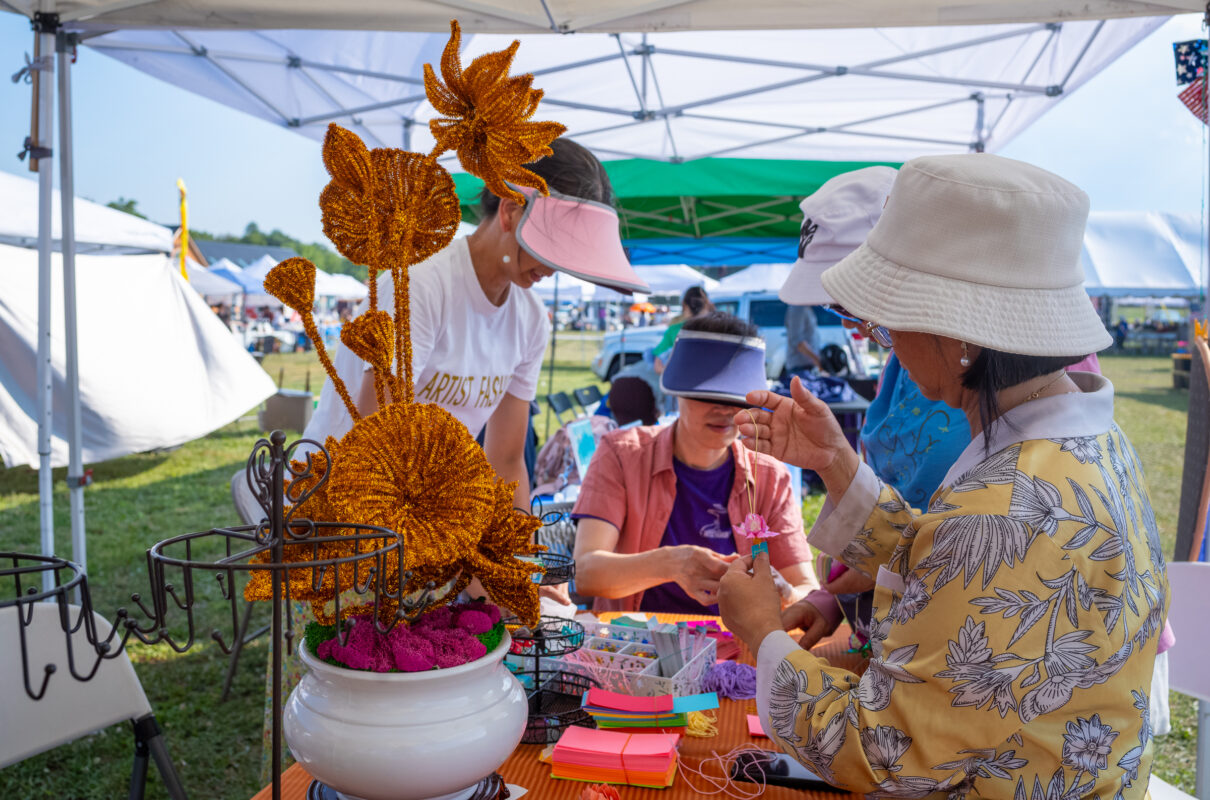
point(554, 695)
point(272, 474)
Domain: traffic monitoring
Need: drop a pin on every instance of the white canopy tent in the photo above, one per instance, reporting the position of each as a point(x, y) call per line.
point(675, 278)
point(1143, 254)
point(211, 285)
point(158, 368)
point(860, 94)
point(99, 229)
point(756, 278)
point(1055, 58)
point(568, 16)
point(345, 287)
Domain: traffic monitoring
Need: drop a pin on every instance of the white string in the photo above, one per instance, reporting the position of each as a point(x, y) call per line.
point(740, 790)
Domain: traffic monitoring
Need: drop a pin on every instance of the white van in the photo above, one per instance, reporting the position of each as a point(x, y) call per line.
point(763, 309)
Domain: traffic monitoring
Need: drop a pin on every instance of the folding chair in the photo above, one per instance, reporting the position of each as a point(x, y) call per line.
point(587, 396)
point(560, 403)
point(70, 708)
point(1187, 660)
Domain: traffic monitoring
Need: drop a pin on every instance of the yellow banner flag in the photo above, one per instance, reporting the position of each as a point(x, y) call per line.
point(180, 184)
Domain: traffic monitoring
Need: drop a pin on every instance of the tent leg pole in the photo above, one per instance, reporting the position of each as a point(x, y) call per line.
point(550, 379)
point(75, 469)
point(45, 127)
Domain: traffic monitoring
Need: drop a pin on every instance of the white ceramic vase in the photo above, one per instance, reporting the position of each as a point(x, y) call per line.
point(405, 735)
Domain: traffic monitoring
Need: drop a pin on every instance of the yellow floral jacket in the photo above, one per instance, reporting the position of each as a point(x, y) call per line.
point(1014, 629)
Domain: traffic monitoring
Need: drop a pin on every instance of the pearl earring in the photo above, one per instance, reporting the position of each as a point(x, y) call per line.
point(966, 359)
point(505, 259)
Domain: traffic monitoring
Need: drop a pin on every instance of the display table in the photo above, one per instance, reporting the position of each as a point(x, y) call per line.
point(524, 769)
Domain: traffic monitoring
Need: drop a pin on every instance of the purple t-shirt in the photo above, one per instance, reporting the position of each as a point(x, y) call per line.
point(699, 516)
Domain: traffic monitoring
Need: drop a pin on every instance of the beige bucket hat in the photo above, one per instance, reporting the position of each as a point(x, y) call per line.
point(979, 248)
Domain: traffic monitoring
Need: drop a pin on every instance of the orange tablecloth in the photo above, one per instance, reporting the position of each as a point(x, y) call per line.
point(524, 769)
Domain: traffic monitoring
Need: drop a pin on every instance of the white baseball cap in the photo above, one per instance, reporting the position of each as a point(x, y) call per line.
point(835, 221)
point(979, 248)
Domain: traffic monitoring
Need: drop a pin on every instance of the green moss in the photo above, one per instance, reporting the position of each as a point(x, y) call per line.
point(315, 635)
point(492, 638)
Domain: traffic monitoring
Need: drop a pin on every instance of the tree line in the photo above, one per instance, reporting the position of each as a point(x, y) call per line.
point(323, 257)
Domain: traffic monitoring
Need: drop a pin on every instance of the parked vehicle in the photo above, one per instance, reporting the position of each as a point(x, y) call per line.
point(763, 309)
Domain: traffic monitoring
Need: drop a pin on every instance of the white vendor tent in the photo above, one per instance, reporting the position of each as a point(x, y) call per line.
point(157, 367)
point(211, 285)
point(1143, 255)
point(849, 95)
point(675, 278)
point(99, 229)
point(567, 16)
point(756, 278)
point(345, 287)
point(569, 289)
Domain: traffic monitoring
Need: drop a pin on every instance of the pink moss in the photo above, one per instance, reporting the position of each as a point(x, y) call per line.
point(473, 621)
point(441, 638)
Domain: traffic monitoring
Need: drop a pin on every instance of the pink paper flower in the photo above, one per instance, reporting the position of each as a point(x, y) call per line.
point(755, 527)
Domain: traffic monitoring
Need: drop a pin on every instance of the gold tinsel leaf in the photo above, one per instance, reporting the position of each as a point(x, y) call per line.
point(293, 282)
point(371, 337)
point(385, 207)
point(487, 118)
point(415, 469)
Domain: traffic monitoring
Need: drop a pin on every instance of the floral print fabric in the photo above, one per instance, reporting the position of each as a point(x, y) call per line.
point(1014, 634)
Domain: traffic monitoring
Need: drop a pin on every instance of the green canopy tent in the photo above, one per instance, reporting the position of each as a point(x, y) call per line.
point(711, 211)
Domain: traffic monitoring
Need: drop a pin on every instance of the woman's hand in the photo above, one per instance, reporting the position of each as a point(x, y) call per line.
point(799, 430)
point(806, 617)
point(748, 602)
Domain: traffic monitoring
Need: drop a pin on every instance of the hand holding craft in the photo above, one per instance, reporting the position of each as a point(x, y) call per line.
point(748, 601)
point(698, 571)
point(799, 430)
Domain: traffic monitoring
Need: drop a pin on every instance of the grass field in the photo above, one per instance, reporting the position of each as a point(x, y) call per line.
point(141, 499)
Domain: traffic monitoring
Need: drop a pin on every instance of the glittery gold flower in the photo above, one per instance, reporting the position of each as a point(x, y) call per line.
point(499, 560)
point(310, 503)
point(487, 118)
point(415, 469)
point(385, 207)
point(293, 282)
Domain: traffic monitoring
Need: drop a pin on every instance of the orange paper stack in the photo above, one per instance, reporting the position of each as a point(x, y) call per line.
point(596, 756)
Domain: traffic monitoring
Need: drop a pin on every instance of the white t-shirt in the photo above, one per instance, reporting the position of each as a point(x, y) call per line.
point(466, 352)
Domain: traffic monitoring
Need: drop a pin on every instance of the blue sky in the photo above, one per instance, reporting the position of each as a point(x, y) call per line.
point(1123, 137)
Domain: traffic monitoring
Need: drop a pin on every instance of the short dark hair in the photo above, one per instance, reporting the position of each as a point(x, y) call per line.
point(571, 170)
point(721, 322)
point(695, 301)
point(994, 370)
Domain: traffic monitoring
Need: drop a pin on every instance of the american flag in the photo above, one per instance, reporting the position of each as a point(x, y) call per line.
point(1194, 98)
point(1190, 60)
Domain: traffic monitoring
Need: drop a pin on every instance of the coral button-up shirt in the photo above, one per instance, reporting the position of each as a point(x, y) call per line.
point(631, 485)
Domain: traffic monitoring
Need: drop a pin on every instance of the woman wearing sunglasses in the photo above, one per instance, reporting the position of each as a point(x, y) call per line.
point(478, 334)
point(1016, 618)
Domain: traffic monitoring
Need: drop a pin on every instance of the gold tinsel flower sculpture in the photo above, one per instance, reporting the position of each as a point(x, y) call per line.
point(487, 118)
point(414, 468)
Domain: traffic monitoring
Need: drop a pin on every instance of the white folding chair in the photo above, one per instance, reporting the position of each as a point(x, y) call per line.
point(71, 708)
point(1189, 664)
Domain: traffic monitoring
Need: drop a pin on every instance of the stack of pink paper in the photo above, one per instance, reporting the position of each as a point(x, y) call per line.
point(596, 756)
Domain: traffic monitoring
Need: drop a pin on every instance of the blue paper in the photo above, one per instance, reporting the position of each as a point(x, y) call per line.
point(694, 702)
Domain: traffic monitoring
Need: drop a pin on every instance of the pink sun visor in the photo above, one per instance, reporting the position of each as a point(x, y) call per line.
point(579, 237)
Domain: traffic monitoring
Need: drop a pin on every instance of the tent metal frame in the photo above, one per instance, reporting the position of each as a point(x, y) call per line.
point(649, 108)
point(644, 112)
